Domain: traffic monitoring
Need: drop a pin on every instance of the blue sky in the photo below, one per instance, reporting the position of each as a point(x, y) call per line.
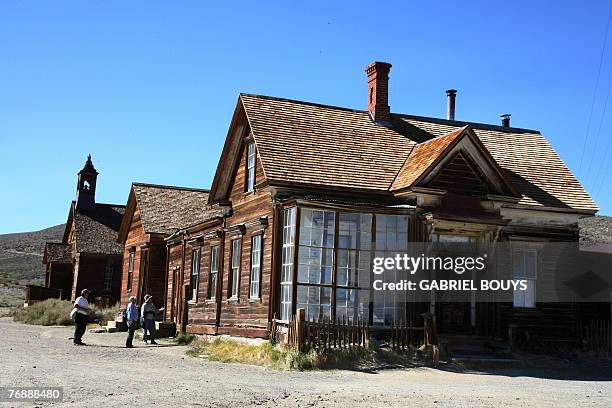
point(148, 88)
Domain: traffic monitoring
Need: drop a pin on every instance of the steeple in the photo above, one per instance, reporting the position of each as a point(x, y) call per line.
point(86, 186)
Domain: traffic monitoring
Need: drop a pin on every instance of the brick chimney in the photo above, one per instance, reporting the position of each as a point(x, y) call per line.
point(378, 91)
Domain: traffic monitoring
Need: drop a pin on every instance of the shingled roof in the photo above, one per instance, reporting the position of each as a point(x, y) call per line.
point(164, 209)
point(96, 230)
point(57, 252)
point(312, 144)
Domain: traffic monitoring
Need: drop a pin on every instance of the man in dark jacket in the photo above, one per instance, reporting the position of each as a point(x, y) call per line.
point(131, 317)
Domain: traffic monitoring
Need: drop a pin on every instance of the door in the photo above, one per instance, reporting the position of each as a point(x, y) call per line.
point(143, 275)
point(176, 288)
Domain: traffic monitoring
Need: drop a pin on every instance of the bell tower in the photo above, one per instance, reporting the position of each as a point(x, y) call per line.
point(86, 186)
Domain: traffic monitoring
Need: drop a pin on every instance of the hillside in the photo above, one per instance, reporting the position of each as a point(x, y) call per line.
point(21, 261)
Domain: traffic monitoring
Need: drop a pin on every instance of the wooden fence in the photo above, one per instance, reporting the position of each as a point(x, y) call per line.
point(598, 336)
point(323, 334)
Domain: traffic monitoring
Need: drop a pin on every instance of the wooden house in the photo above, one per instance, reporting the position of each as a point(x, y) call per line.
point(89, 255)
point(153, 213)
point(307, 194)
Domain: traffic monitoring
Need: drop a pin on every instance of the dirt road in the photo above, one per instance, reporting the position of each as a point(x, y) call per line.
point(105, 375)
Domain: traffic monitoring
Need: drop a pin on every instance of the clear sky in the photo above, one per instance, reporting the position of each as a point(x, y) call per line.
point(149, 87)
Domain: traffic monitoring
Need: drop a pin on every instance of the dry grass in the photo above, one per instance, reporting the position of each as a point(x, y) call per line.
point(50, 312)
point(55, 312)
point(265, 354)
point(282, 358)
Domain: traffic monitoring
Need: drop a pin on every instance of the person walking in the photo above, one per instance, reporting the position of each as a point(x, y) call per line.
point(80, 313)
point(148, 312)
point(131, 317)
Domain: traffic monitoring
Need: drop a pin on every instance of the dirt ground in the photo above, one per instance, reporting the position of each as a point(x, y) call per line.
point(105, 374)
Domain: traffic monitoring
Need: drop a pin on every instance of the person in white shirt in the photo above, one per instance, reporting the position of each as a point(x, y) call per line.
point(81, 312)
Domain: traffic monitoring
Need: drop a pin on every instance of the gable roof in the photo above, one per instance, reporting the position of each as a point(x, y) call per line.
point(314, 144)
point(57, 252)
point(426, 155)
point(527, 158)
point(422, 157)
point(95, 231)
point(164, 209)
point(333, 147)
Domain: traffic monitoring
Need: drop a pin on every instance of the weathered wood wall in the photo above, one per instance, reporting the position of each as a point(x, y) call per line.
point(243, 316)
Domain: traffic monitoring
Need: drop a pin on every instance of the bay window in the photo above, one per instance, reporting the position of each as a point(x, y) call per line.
point(286, 281)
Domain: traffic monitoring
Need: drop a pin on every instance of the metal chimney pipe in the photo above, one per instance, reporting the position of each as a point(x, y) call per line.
point(450, 110)
point(505, 118)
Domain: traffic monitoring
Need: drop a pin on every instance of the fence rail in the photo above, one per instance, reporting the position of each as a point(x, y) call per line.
point(343, 333)
point(598, 336)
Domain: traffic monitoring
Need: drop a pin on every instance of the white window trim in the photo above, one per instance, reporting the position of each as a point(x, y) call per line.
point(235, 268)
point(256, 266)
point(533, 280)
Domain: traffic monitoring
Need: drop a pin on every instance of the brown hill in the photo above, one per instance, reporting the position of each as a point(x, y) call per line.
point(21, 261)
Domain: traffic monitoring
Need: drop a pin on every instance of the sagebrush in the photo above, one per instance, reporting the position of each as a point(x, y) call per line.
point(55, 312)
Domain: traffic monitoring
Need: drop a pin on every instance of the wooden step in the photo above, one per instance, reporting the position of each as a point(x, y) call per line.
point(165, 329)
point(114, 326)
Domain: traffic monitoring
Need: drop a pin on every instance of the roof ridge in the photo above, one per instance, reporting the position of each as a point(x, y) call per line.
point(476, 125)
point(321, 105)
point(203, 190)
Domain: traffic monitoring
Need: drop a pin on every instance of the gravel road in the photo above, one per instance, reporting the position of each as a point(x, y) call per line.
point(103, 374)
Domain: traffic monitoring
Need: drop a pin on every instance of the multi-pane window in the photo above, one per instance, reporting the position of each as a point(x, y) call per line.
point(391, 239)
point(130, 274)
point(195, 273)
point(255, 266)
point(316, 262)
point(214, 270)
point(286, 281)
point(250, 167)
point(108, 275)
point(235, 268)
point(525, 266)
point(354, 266)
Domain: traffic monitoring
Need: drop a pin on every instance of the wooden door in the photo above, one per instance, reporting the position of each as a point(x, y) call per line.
point(143, 275)
point(176, 294)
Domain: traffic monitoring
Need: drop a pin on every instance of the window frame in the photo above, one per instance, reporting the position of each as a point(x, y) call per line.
point(256, 265)
point(130, 274)
point(234, 275)
point(109, 271)
point(288, 262)
point(196, 258)
point(533, 280)
point(213, 273)
point(250, 166)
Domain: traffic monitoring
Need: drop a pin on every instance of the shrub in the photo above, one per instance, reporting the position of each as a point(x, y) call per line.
point(103, 315)
point(185, 338)
point(55, 312)
point(50, 312)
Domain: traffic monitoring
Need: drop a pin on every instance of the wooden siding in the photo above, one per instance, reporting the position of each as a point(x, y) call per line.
point(137, 239)
point(242, 316)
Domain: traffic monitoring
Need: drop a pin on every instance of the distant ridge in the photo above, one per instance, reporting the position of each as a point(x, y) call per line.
point(21, 261)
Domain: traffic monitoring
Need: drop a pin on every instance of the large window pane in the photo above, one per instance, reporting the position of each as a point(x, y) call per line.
point(352, 304)
point(315, 300)
point(391, 238)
